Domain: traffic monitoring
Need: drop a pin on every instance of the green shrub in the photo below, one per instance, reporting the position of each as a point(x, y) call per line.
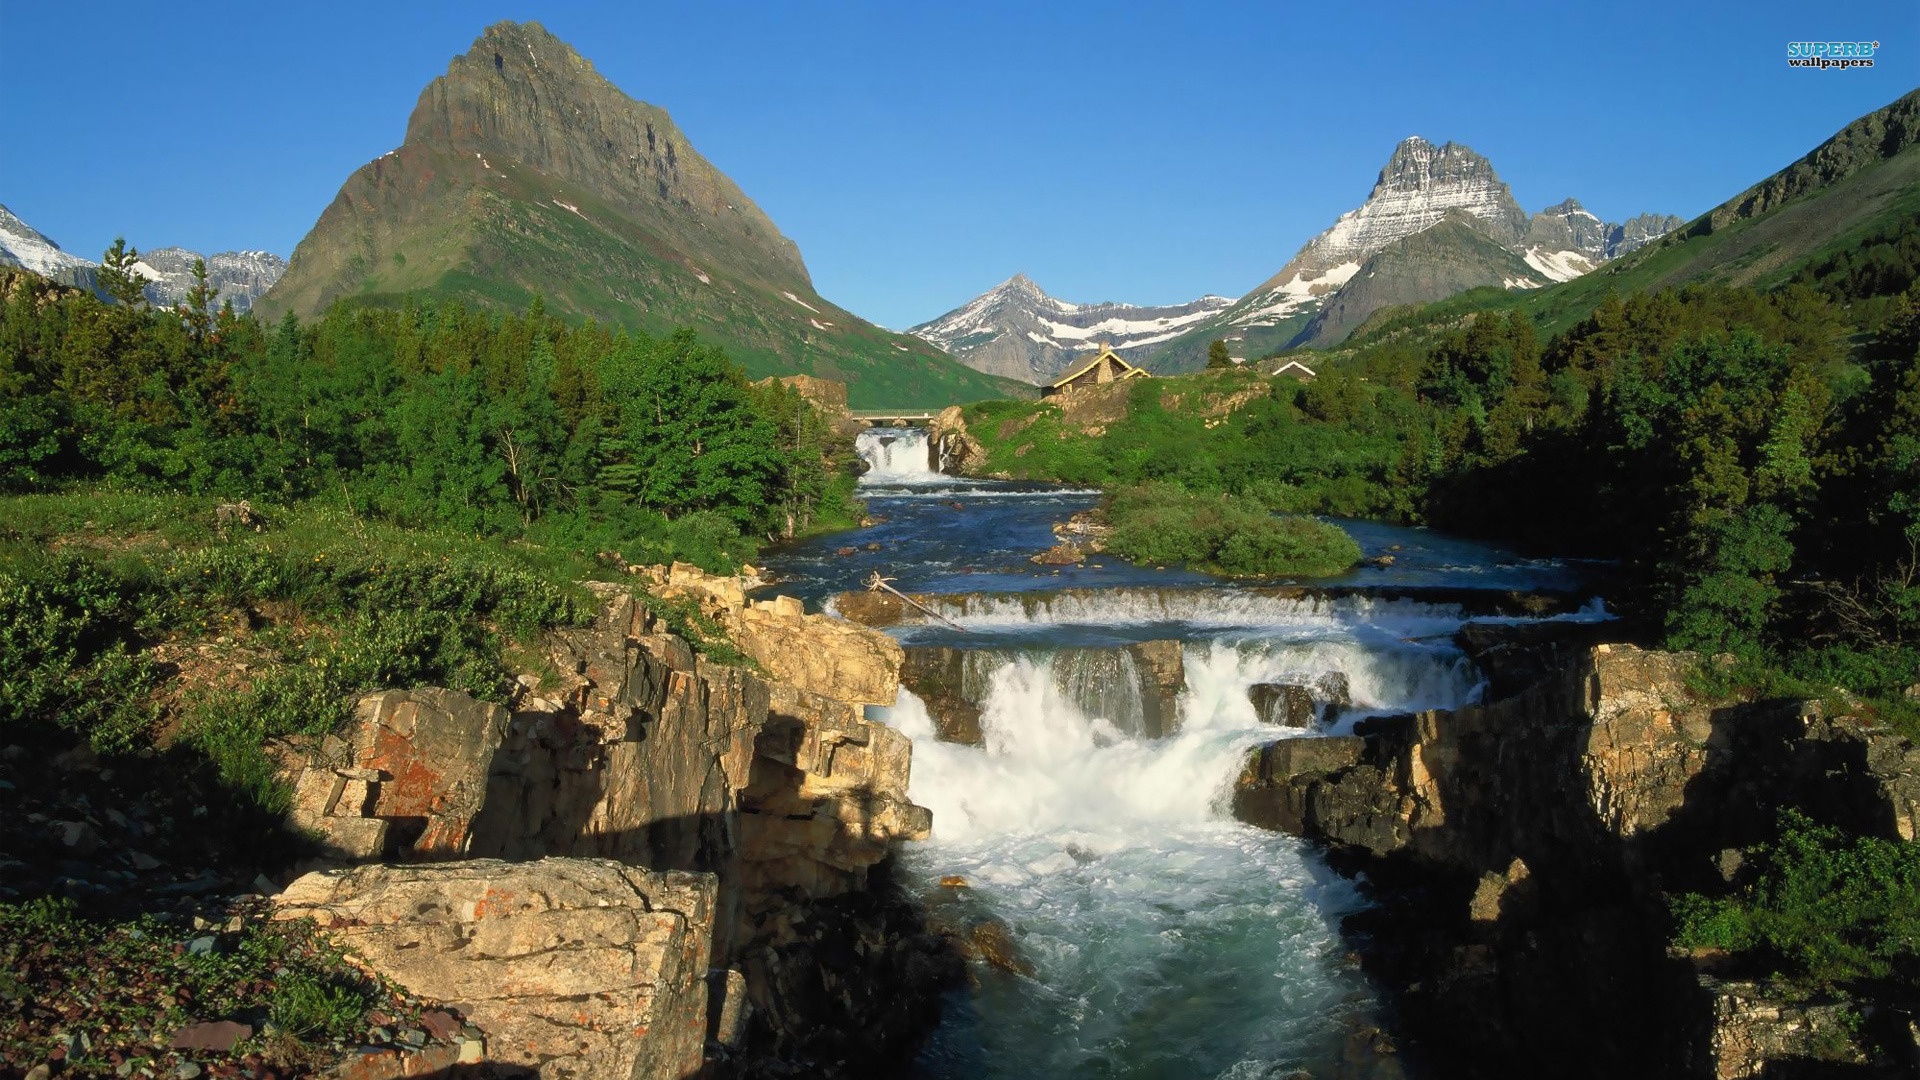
point(1162, 524)
point(1828, 908)
point(66, 626)
point(118, 983)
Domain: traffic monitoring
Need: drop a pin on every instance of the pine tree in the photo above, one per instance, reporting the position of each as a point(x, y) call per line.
point(118, 278)
point(198, 308)
point(1217, 356)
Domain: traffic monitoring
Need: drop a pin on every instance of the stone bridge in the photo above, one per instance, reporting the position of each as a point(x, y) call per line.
point(892, 418)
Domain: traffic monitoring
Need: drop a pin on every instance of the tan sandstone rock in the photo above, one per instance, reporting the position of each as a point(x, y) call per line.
point(578, 968)
point(823, 654)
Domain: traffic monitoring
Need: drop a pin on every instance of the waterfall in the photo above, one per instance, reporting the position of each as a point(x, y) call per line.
point(1168, 940)
point(896, 454)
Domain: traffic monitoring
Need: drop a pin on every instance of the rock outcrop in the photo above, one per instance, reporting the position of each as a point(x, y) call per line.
point(1298, 705)
point(955, 451)
point(575, 967)
point(1135, 687)
point(764, 792)
point(1514, 842)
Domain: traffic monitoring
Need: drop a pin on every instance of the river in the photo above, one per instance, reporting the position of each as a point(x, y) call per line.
point(1165, 938)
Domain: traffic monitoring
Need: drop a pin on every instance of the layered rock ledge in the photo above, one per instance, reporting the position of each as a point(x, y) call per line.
point(1520, 851)
point(720, 833)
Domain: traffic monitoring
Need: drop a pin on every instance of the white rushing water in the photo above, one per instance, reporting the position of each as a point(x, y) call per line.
point(1167, 939)
point(896, 455)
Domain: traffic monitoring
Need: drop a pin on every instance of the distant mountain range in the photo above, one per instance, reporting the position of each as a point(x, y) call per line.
point(526, 173)
point(1018, 331)
point(1438, 221)
point(240, 276)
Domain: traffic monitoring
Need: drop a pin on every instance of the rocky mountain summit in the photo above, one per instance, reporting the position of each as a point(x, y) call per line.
point(1421, 187)
point(525, 172)
point(240, 276)
point(1015, 329)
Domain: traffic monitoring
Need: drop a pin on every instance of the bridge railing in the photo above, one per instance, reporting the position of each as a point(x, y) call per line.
point(891, 418)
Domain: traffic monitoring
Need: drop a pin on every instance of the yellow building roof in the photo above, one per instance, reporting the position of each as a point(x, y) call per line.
point(1127, 371)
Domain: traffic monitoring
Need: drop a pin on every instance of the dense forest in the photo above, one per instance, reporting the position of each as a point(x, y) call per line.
point(516, 426)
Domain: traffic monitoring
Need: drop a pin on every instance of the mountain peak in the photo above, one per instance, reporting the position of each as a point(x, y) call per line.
point(526, 173)
point(522, 98)
point(1418, 165)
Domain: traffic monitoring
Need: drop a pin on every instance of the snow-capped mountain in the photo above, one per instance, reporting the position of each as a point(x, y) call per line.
point(1015, 329)
point(1421, 186)
point(239, 276)
point(23, 245)
point(1565, 241)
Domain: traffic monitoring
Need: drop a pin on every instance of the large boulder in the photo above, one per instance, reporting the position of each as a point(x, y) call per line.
point(938, 676)
point(821, 654)
point(1163, 675)
point(406, 778)
point(575, 968)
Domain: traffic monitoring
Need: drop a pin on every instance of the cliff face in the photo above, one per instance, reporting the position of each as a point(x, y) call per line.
point(1522, 848)
point(771, 798)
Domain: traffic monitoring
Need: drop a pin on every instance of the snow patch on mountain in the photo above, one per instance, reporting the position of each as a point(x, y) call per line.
point(1297, 293)
point(1558, 265)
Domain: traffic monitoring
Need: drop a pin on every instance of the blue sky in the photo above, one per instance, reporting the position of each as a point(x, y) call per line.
point(920, 153)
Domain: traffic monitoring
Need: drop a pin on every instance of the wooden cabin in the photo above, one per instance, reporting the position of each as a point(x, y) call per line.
point(1104, 366)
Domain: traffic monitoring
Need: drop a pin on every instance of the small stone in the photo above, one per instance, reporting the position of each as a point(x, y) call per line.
point(186, 1070)
point(235, 925)
point(79, 836)
point(264, 886)
point(440, 1024)
point(1728, 863)
point(953, 881)
point(379, 1035)
point(203, 946)
point(40, 1072)
point(472, 1051)
point(217, 1037)
point(412, 1037)
point(143, 861)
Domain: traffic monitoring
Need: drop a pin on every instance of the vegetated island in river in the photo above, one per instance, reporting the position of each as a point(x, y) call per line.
point(1165, 524)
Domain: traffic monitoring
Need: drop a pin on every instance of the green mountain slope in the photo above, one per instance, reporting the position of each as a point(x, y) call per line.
point(526, 173)
point(1862, 182)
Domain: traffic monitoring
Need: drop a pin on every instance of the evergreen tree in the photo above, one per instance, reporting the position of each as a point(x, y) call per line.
point(118, 279)
point(1217, 356)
